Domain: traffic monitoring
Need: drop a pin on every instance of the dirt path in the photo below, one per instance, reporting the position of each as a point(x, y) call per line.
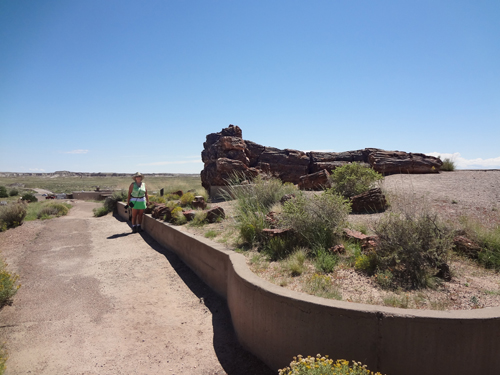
point(96, 299)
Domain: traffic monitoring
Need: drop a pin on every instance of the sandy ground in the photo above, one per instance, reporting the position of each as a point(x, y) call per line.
point(96, 299)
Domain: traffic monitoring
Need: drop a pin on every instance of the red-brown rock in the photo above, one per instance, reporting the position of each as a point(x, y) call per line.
point(315, 181)
point(370, 201)
point(215, 214)
point(466, 246)
point(393, 162)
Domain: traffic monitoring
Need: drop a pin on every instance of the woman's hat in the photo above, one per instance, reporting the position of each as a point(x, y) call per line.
point(137, 174)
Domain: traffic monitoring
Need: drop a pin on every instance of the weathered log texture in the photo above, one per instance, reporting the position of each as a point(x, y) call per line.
point(315, 181)
point(226, 153)
point(370, 201)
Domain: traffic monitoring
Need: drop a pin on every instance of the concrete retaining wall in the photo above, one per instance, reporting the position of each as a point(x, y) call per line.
point(275, 323)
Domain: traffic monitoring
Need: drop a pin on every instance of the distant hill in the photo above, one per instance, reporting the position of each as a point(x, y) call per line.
point(91, 174)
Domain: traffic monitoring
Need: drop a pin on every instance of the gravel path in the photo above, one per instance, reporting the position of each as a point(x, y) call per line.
point(96, 299)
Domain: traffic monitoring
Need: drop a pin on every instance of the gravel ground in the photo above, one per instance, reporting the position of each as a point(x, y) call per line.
point(97, 299)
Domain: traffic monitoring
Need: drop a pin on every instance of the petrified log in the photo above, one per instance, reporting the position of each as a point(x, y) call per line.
point(226, 153)
point(315, 181)
point(392, 162)
point(466, 246)
point(370, 201)
point(215, 214)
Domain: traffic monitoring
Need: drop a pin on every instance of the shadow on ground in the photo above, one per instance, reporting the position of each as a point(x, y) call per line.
point(233, 358)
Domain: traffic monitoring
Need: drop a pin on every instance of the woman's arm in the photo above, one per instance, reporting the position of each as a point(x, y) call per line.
point(131, 187)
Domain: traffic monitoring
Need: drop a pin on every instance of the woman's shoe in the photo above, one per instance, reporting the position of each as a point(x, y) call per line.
point(134, 229)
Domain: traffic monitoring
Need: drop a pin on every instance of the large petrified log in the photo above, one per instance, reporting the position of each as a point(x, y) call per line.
point(370, 201)
point(226, 153)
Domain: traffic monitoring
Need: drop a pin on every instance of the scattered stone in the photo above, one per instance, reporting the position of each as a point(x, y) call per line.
point(215, 214)
point(370, 201)
point(179, 193)
point(272, 219)
point(368, 243)
point(466, 246)
point(189, 214)
point(199, 202)
point(338, 249)
point(269, 233)
point(315, 181)
point(286, 198)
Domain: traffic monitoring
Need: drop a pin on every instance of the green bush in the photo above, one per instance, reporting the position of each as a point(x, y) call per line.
point(8, 284)
point(14, 193)
point(12, 215)
point(412, 246)
point(187, 199)
point(448, 165)
point(324, 366)
point(278, 248)
point(3, 192)
point(100, 211)
point(253, 202)
point(353, 179)
point(200, 219)
point(53, 209)
point(28, 197)
point(178, 217)
point(325, 261)
point(487, 238)
point(316, 220)
point(295, 262)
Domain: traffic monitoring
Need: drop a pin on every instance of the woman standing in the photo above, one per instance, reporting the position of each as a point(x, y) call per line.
point(138, 200)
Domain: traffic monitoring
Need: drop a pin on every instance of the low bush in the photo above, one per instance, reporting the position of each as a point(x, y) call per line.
point(8, 284)
point(200, 219)
point(325, 261)
point(487, 238)
point(353, 179)
point(53, 209)
point(295, 262)
point(3, 192)
point(412, 246)
point(316, 220)
point(278, 248)
point(322, 365)
point(100, 211)
point(28, 197)
point(177, 217)
point(448, 165)
point(187, 199)
point(12, 215)
point(14, 193)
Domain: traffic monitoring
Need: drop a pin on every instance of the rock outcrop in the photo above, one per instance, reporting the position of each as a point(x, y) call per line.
point(227, 155)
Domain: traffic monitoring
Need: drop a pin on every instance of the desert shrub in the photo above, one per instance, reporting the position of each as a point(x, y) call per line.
point(187, 198)
point(14, 193)
point(100, 211)
point(412, 246)
point(353, 179)
point(253, 202)
point(211, 234)
point(3, 192)
point(177, 216)
point(320, 365)
point(487, 238)
point(157, 199)
point(28, 197)
point(448, 165)
point(53, 209)
point(295, 262)
point(12, 215)
point(278, 248)
point(200, 219)
point(366, 263)
point(8, 284)
point(325, 261)
point(316, 220)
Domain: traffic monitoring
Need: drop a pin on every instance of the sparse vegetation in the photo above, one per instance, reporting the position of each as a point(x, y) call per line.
point(8, 284)
point(322, 365)
point(14, 193)
point(487, 238)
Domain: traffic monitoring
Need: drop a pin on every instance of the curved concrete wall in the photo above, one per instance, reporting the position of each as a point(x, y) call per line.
point(275, 323)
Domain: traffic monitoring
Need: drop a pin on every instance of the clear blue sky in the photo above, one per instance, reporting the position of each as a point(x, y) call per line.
point(126, 86)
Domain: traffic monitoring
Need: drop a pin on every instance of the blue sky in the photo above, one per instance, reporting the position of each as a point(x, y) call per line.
point(126, 86)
